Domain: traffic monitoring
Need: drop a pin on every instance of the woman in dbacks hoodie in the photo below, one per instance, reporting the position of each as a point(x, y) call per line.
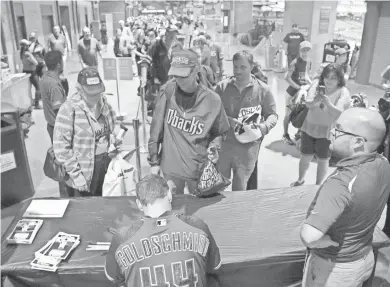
point(251, 106)
point(183, 126)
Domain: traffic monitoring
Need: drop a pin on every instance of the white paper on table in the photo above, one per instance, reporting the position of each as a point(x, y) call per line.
point(46, 208)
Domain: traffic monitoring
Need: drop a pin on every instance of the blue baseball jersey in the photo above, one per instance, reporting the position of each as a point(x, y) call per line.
point(172, 250)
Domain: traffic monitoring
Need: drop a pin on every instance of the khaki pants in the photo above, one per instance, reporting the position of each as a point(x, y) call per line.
point(320, 272)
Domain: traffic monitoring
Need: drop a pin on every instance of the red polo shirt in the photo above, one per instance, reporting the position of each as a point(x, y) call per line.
point(349, 204)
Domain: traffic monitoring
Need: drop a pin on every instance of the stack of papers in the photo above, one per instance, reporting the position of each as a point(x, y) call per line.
point(57, 249)
point(45, 263)
point(47, 208)
point(25, 231)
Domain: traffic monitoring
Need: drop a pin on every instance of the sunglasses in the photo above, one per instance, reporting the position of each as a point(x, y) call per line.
point(338, 132)
point(383, 105)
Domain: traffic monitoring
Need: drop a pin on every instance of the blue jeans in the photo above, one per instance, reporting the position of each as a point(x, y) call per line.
point(320, 272)
point(99, 172)
point(239, 159)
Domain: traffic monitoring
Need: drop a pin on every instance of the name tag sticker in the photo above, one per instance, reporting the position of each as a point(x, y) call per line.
point(93, 81)
point(7, 161)
point(161, 222)
point(180, 60)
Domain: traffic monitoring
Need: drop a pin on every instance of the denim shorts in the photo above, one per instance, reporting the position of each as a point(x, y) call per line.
point(311, 146)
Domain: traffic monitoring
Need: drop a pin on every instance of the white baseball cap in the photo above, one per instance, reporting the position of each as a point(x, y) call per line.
point(249, 131)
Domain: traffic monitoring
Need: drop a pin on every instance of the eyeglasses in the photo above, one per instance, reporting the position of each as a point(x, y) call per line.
point(339, 129)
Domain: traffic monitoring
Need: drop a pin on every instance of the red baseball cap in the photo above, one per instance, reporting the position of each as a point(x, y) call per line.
point(183, 62)
point(90, 81)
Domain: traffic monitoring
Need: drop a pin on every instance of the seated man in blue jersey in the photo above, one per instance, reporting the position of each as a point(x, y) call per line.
point(164, 248)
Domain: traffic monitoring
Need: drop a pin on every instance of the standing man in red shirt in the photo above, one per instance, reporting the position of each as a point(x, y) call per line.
point(189, 120)
point(251, 110)
point(340, 223)
point(164, 248)
point(292, 41)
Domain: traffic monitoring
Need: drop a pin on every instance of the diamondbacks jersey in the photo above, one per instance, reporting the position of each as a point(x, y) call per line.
point(172, 250)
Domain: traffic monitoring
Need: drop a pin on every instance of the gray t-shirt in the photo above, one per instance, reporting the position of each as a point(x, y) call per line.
point(53, 96)
point(87, 50)
point(57, 43)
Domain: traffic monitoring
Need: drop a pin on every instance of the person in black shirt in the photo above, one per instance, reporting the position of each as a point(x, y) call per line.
point(103, 33)
point(117, 50)
point(159, 52)
point(298, 78)
point(292, 41)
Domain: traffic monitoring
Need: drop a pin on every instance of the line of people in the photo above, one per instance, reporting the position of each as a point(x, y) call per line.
point(192, 119)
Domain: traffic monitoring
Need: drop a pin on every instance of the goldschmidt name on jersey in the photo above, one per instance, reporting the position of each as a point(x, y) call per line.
point(191, 126)
point(164, 243)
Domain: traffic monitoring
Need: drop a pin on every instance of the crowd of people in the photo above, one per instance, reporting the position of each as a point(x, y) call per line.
point(198, 114)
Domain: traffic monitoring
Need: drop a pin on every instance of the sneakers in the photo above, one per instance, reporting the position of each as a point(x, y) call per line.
point(37, 106)
point(287, 139)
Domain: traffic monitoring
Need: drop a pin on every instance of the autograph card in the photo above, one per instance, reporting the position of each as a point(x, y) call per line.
point(25, 231)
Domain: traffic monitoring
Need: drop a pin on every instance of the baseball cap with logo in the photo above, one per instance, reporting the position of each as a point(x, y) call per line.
point(249, 131)
point(305, 45)
point(90, 81)
point(182, 63)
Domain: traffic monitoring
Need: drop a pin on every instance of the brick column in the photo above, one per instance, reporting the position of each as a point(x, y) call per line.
point(367, 48)
point(241, 16)
point(318, 18)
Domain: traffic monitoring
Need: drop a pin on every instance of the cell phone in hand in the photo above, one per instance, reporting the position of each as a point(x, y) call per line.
point(321, 90)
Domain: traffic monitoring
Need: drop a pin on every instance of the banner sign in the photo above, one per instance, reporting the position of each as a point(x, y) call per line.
point(125, 68)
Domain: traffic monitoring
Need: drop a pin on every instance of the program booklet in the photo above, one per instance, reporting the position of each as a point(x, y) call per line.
point(60, 246)
point(25, 231)
point(54, 251)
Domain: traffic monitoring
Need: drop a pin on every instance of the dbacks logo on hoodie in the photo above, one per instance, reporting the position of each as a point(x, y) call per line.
point(192, 126)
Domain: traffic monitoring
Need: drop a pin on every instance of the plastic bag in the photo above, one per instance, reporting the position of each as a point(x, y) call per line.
point(120, 178)
point(210, 181)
